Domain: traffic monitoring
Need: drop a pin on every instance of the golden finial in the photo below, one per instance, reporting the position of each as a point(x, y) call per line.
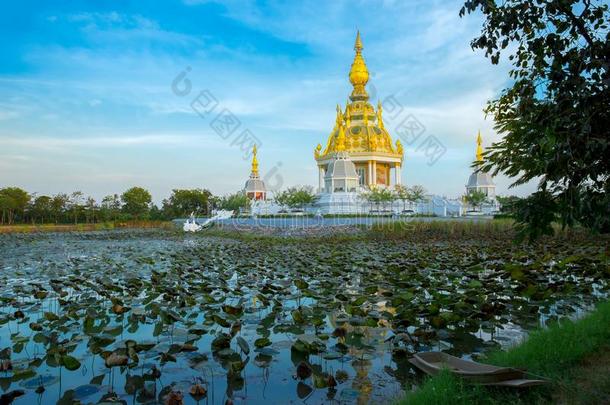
point(358, 44)
point(479, 147)
point(358, 74)
point(254, 162)
point(316, 152)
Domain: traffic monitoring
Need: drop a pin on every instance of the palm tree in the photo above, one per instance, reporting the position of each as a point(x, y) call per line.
point(475, 198)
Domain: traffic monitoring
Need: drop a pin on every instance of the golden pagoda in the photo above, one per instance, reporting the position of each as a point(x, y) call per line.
point(255, 188)
point(359, 131)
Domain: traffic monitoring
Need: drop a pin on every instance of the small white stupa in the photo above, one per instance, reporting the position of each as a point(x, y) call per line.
point(341, 175)
point(340, 193)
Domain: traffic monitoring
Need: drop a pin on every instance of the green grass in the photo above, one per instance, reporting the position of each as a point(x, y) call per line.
point(411, 230)
point(458, 228)
point(556, 353)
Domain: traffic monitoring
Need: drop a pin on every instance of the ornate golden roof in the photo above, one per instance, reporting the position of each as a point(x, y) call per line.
point(359, 128)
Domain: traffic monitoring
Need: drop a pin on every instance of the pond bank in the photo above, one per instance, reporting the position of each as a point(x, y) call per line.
point(575, 355)
point(100, 226)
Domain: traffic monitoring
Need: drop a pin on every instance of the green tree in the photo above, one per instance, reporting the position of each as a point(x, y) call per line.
point(555, 118)
point(379, 196)
point(13, 202)
point(475, 198)
point(416, 194)
point(157, 214)
point(301, 196)
point(402, 193)
point(76, 206)
point(136, 202)
point(41, 208)
point(91, 210)
point(235, 202)
point(295, 197)
point(59, 206)
point(508, 204)
point(110, 207)
point(182, 202)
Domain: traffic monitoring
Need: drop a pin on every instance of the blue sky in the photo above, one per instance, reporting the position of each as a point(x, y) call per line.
point(86, 98)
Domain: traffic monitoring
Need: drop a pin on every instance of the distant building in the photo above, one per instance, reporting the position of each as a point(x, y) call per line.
point(478, 180)
point(255, 187)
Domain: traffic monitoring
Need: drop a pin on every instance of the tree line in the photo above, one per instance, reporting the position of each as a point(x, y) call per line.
point(20, 206)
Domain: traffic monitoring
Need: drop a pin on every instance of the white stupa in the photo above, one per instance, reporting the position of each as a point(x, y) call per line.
point(341, 175)
point(340, 193)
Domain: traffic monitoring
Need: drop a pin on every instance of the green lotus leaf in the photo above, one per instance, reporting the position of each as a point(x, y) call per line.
point(69, 362)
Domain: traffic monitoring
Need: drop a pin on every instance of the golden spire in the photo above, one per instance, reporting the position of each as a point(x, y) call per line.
point(339, 119)
point(348, 116)
point(340, 144)
point(254, 162)
point(358, 74)
point(358, 44)
point(479, 147)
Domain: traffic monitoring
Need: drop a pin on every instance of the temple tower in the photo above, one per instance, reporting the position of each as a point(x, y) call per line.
point(360, 133)
point(478, 180)
point(255, 187)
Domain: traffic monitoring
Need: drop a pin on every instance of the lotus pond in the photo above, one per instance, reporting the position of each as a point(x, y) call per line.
point(152, 316)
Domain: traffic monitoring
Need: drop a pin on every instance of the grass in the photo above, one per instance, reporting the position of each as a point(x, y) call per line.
point(460, 230)
point(449, 228)
point(573, 354)
point(100, 226)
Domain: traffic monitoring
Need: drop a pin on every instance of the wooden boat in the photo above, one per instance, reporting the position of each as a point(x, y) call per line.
point(485, 374)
